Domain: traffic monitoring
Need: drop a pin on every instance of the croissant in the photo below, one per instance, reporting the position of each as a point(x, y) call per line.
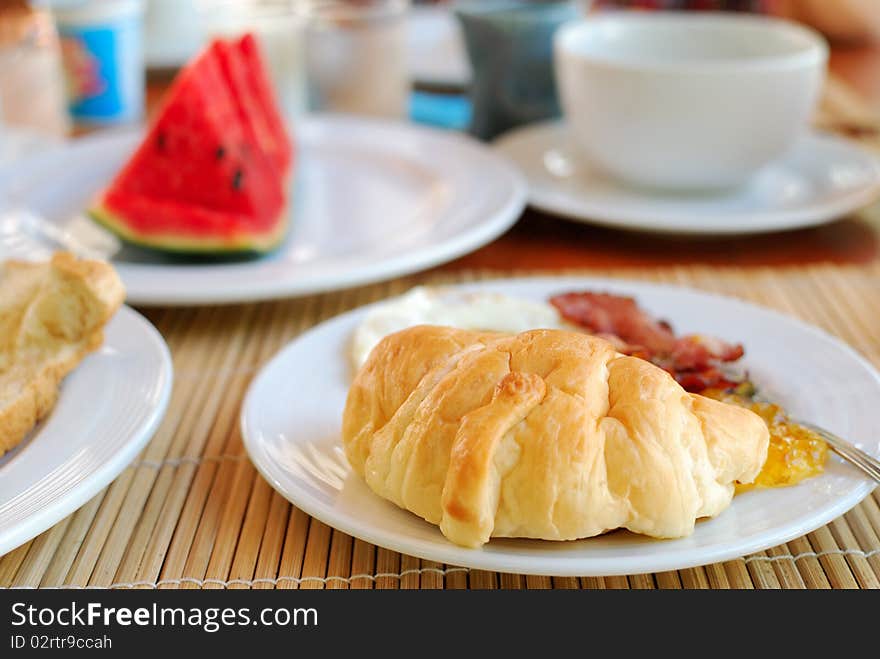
point(545, 434)
point(52, 314)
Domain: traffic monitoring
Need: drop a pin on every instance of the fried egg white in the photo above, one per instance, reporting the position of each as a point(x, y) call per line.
point(426, 305)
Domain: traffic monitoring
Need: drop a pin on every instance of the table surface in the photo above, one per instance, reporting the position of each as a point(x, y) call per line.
point(192, 512)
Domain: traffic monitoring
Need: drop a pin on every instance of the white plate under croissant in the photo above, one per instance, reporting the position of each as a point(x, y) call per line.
point(292, 424)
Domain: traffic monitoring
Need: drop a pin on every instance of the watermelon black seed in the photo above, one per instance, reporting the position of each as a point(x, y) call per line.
point(219, 153)
point(160, 141)
point(236, 179)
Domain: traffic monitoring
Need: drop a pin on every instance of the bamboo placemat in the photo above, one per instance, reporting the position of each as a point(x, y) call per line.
point(191, 511)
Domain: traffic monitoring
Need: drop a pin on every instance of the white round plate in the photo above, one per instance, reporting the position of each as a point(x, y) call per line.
point(108, 409)
point(821, 179)
point(292, 415)
point(371, 200)
point(17, 143)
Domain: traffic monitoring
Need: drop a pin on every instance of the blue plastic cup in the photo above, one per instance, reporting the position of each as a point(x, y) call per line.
point(101, 45)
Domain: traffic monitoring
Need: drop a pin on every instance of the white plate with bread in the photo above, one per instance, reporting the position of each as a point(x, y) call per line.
point(84, 383)
point(491, 439)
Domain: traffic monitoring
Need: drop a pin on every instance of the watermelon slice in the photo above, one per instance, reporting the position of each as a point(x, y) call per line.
point(210, 176)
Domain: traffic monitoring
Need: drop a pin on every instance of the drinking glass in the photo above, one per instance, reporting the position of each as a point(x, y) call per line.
point(356, 54)
point(278, 26)
point(31, 75)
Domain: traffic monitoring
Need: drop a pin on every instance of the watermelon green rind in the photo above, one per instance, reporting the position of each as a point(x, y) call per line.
point(241, 243)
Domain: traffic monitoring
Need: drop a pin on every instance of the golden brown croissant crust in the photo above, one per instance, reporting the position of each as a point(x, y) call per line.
point(52, 315)
point(545, 434)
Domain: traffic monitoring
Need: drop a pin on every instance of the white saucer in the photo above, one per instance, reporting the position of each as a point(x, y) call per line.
point(821, 179)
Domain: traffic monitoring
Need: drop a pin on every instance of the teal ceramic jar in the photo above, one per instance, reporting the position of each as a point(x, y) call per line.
point(510, 46)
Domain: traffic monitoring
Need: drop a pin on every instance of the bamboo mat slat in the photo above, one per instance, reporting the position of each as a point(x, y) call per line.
point(192, 512)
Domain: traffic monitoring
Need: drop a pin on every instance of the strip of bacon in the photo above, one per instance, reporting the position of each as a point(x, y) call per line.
point(710, 378)
point(696, 351)
point(602, 313)
point(693, 359)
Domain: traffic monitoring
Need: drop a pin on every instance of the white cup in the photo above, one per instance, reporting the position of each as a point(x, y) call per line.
point(687, 101)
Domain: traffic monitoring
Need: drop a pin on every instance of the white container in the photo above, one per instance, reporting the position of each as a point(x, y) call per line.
point(101, 43)
point(687, 101)
point(31, 78)
point(357, 57)
point(278, 26)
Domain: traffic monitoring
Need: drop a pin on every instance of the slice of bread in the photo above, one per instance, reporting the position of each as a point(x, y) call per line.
point(52, 315)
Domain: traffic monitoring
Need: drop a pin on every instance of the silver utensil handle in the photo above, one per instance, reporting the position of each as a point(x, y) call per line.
point(865, 462)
